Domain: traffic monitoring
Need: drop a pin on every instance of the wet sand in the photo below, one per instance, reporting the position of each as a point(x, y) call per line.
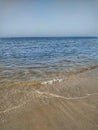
point(71, 104)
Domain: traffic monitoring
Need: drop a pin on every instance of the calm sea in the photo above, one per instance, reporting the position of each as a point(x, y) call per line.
point(43, 58)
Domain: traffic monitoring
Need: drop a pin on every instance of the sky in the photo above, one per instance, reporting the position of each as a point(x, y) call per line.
point(40, 18)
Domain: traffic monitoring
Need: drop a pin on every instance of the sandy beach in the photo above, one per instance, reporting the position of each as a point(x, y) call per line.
point(66, 105)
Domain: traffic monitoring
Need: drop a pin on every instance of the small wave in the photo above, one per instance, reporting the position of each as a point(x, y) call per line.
point(81, 70)
point(69, 73)
point(86, 69)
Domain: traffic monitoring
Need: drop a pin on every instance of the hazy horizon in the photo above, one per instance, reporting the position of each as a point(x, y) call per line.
point(40, 18)
point(4, 37)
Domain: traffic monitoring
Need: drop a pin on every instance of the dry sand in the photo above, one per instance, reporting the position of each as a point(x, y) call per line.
point(68, 105)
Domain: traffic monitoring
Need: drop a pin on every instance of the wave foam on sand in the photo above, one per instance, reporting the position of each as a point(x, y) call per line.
point(47, 94)
point(51, 81)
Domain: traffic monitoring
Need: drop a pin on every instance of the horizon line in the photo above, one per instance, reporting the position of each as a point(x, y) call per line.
point(51, 37)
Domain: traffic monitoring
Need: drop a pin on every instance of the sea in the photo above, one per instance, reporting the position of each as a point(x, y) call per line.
point(46, 58)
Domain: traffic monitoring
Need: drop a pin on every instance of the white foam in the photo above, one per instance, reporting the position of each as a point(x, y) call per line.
point(66, 98)
point(51, 81)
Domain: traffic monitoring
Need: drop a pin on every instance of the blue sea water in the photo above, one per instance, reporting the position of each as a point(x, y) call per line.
point(35, 58)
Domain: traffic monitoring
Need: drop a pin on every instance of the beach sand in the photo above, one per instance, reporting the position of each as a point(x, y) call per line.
point(71, 104)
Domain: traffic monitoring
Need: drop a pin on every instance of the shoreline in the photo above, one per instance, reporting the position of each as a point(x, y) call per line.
point(18, 75)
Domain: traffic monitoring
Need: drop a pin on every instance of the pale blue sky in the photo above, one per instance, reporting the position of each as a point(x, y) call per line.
point(48, 18)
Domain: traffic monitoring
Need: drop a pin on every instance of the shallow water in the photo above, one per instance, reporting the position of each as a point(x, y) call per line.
point(45, 58)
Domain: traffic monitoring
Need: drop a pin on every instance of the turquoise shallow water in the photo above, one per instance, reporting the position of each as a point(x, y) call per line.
point(37, 58)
